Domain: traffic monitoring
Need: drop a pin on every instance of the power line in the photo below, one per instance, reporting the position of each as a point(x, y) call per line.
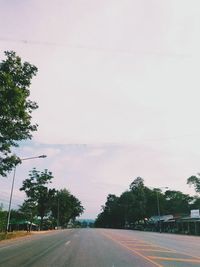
point(113, 50)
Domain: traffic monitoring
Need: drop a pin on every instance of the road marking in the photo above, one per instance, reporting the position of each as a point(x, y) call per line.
point(67, 243)
point(174, 259)
point(134, 242)
point(142, 245)
point(158, 250)
point(137, 246)
point(136, 252)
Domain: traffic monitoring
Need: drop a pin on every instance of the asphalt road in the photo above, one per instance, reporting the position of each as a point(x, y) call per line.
point(101, 248)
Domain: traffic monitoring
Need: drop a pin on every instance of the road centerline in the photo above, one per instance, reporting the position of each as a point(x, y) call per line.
point(67, 243)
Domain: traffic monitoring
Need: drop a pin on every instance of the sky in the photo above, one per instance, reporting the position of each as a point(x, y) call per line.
point(117, 89)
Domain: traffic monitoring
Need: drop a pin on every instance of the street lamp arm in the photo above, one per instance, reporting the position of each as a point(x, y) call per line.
point(41, 156)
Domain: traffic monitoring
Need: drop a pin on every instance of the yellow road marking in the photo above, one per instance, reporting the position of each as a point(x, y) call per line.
point(174, 259)
point(132, 241)
point(158, 250)
point(151, 248)
point(135, 247)
point(136, 252)
point(143, 246)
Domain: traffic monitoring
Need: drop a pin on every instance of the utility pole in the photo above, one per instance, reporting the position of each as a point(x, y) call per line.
point(58, 213)
point(158, 206)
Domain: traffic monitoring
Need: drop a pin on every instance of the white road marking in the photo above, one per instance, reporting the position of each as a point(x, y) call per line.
point(67, 243)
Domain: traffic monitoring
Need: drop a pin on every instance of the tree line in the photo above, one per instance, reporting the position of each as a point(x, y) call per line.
point(140, 202)
point(44, 205)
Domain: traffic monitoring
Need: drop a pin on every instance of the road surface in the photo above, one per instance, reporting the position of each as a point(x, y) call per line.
point(101, 248)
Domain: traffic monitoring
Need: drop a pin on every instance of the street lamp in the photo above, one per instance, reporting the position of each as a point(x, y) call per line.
point(11, 192)
point(158, 205)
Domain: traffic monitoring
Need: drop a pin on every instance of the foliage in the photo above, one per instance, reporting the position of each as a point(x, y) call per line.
point(3, 219)
point(177, 202)
point(28, 209)
point(65, 207)
point(39, 196)
point(54, 207)
point(15, 107)
point(12, 235)
point(76, 209)
point(195, 181)
point(109, 216)
point(139, 203)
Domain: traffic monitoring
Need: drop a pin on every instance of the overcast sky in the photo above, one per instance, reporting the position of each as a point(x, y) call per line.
point(118, 92)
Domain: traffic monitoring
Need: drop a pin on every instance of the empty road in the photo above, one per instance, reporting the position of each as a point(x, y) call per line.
point(101, 248)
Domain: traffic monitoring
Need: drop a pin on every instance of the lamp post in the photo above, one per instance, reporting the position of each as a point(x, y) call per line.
point(11, 192)
point(58, 213)
point(158, 205)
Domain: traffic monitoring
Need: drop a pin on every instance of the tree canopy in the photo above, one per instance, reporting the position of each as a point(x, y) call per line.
point(37, 191)
point(59, 206)
point(65, 207)
point(140, 203)
point(15, 107)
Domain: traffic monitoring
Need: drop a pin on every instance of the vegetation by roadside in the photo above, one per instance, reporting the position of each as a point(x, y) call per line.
point(12, 235)
point(150, 209)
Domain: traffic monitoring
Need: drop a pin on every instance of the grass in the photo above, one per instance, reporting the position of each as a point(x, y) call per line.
point(12, 235)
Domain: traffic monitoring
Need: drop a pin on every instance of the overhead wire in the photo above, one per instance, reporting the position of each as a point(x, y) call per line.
point(88, 47)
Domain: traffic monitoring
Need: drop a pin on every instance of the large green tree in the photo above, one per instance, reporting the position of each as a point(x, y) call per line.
point(110, 213)
point(65, 207)
point(75, 207)
point(39, 196)
point(177, 202)
point(15, 107)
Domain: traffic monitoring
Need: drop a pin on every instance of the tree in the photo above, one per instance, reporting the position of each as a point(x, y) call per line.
point(65, 207)
point(3, 217)
point(75, 207)
point(177, 203)
point(138, 183)
point(151, 201)
point(37, 192)
point(15, 107)
point(137, 188)
point(111, 215)
point(29, 209)
point(128, 208)
point(195, 181)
